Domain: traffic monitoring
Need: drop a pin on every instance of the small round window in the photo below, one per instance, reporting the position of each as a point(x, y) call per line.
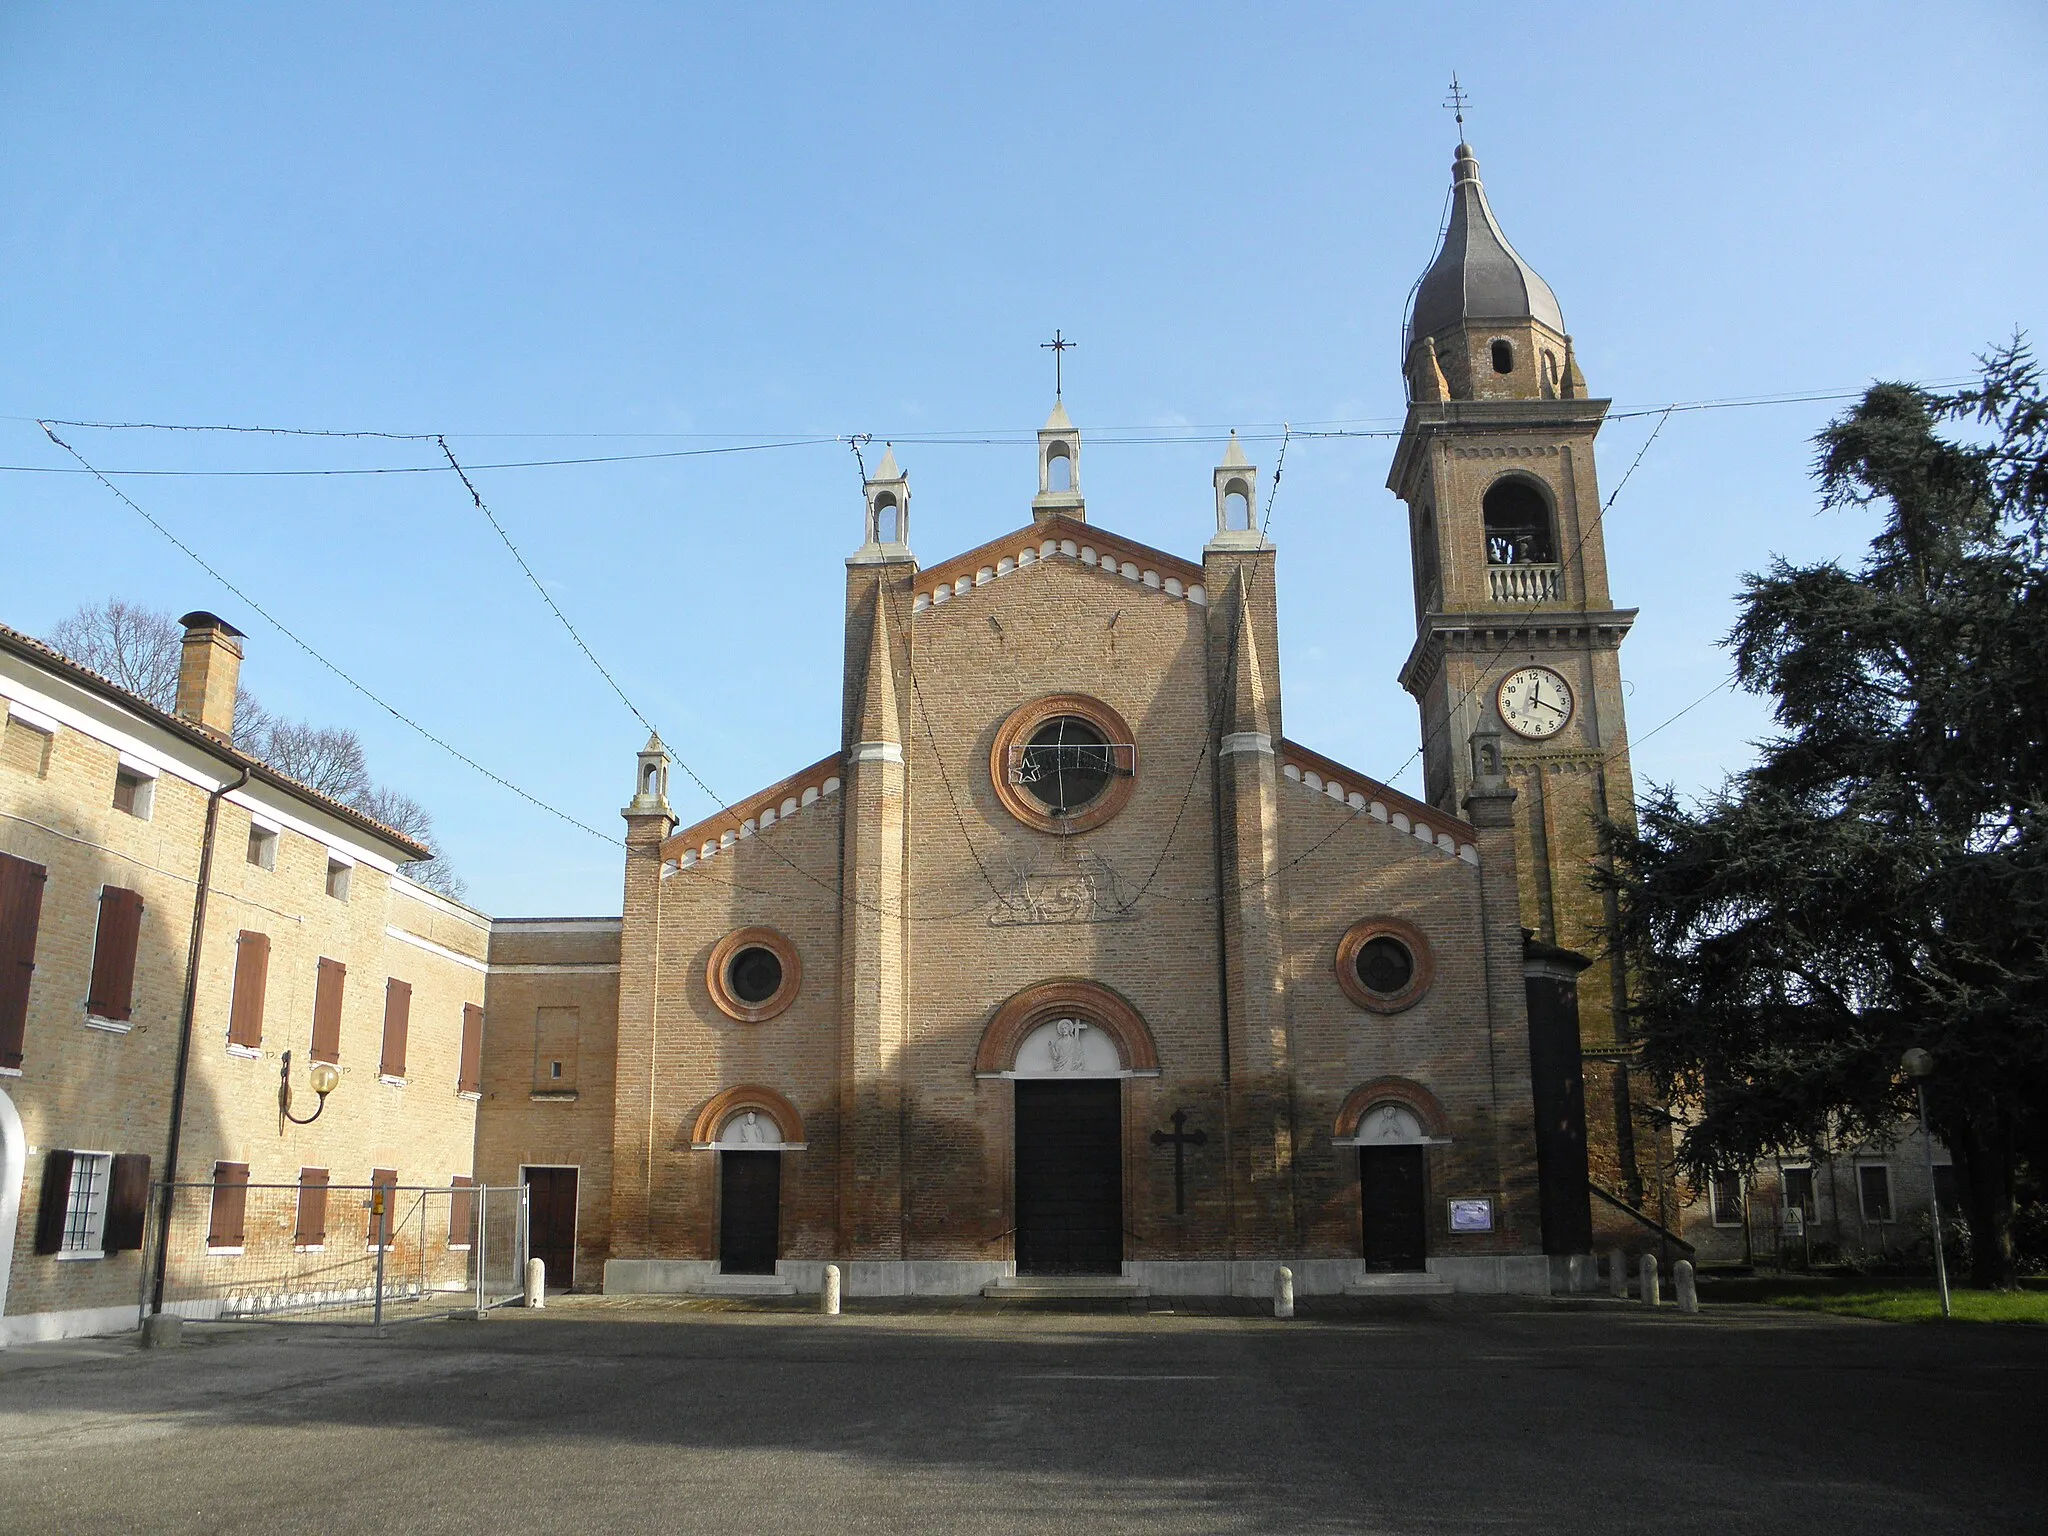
point(1066, 765)
point(753, 974)
point(1384, 964)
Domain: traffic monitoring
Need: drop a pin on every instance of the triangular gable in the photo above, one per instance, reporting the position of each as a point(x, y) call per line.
point(1059, 538)
point(756, 813)
point(1361, 792)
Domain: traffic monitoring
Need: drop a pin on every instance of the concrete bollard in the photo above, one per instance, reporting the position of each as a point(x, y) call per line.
point(1617, 1274)
point(828, 1297)
point(1653, 1289)
point(1686, 1285)
point(536, 1283)
point(1283, 1292)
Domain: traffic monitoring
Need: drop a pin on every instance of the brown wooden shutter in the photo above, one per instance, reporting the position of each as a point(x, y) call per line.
point(230, 1201)
point(21, 914)
point(461, 1212)
point(252, 980)
point(471, 1075)
point(113, 955)
point(383, 1181)
point(56, 1201)
point(312, 1228)
point(327, 1010)
point(397, 1019)
point(127, 1202)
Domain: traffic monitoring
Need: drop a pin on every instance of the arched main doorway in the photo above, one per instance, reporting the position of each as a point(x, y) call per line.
point(1068, 1047)
point(751, 1129)
point(1392, 1122)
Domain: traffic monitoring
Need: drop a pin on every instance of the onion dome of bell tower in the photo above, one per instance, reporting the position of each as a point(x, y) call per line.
point(1482, 321)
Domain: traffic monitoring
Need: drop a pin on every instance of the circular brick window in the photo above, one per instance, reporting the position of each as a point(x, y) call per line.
point(1384, 964)
point(1064, 763)
point(753, 974)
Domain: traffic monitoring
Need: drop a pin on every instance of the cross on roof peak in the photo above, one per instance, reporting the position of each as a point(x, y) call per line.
point(1058, 347)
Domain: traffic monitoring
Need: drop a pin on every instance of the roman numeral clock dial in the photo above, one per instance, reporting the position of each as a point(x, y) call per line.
point(1535, 702)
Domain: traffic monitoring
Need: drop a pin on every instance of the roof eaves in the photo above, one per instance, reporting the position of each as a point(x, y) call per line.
point(41, 654)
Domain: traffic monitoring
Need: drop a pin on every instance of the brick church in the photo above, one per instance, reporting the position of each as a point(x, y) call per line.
point(1069, 967)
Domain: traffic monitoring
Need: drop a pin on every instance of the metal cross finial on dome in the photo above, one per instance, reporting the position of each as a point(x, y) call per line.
point(1057, 347)
point(1456, 101)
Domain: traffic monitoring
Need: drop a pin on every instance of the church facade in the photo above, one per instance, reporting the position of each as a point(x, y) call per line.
point(1068, 966)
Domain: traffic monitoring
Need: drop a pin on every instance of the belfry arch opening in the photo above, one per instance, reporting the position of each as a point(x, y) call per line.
point(887, 516)
point(1059, 468)
point(1518, 524)
point(1237, 505)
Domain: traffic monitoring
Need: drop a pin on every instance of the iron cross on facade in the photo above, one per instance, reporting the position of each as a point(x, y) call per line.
point(1057, 347)
point(1182, 1138)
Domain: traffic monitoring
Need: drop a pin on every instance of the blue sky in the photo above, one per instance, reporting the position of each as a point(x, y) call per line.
point(567, 231)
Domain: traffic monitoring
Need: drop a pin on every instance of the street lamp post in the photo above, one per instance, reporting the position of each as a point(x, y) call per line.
point(1919, 1066)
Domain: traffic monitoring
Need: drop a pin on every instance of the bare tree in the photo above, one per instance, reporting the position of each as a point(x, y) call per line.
point(139, 648)
point(406, 816)
point(321, 757)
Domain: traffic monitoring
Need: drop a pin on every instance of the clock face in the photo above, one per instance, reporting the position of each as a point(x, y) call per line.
point(1535, 702)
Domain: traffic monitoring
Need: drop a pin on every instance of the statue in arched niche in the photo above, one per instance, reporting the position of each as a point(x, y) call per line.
point(1068, 1047)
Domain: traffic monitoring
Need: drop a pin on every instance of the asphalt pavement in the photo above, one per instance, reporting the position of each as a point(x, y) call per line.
point(1439, 1416)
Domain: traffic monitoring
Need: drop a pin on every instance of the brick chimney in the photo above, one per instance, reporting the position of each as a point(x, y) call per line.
point(208, 671)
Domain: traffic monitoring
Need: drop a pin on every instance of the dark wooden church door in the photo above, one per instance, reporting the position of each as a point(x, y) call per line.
point(551, 1223)
point(1390, 1193)
point(749, 1212)
point(1070, 1178)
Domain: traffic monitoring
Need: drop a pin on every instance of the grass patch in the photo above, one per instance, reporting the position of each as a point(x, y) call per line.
point(1891, 1302)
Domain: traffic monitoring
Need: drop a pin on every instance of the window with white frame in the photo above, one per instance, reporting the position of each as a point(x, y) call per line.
point(134, 791)
point(1726, 1195)
point(1874, 1189)
point(1798, 1188)
point(85, 1208)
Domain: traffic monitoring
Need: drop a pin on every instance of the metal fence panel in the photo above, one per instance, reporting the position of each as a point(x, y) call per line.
point(290, 1253)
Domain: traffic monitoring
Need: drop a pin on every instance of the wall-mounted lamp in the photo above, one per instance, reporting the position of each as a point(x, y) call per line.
point(325, 1078)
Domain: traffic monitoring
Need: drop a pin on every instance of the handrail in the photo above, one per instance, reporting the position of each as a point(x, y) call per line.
point(1630, 1211)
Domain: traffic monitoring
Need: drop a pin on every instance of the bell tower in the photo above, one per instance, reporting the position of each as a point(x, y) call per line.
point(1516, 632)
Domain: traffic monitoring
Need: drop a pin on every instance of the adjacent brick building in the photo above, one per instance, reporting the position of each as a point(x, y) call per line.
point(310, 942)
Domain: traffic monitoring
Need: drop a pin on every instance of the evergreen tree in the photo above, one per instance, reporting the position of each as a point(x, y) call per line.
point(1876, 881)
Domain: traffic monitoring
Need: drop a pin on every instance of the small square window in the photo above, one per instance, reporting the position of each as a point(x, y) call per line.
point(85, 1209)
point(337, 879)
point(1874, 1186)
point(263, 847)
point(134, 793)
point(1727, 1199)
point(1799, 1192)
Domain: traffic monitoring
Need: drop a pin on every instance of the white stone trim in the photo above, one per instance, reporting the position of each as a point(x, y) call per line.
point(563, 968)
point(1256, 742)
point(1341, 794)
point(405, 885)
point(111, 1026)
point(393, 931)
point(159, 751)
point(140, 767)
point(879, 751)
point(515, 925)
point(1027, 556)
